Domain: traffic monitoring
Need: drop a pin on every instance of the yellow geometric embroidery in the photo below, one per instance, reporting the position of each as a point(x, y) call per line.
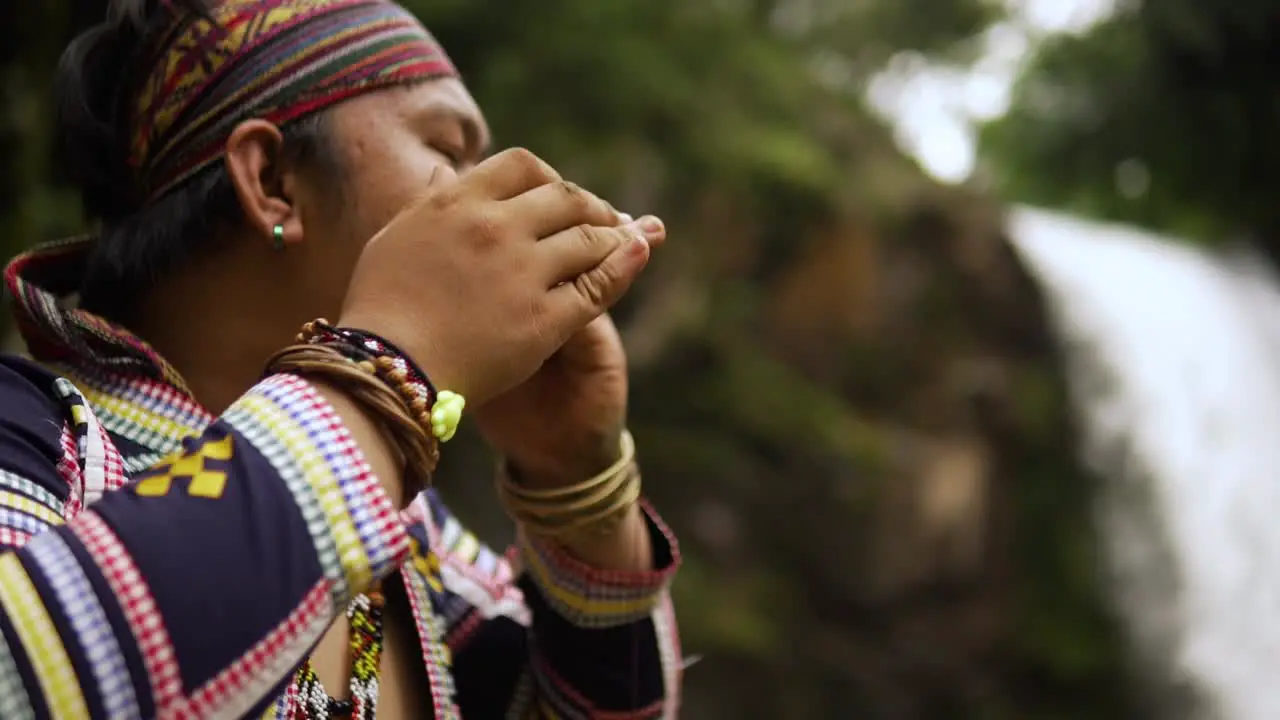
point(427, 564)
point(201, 481)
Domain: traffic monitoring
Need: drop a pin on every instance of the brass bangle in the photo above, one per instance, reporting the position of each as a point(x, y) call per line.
point(628, 456)
point(593, 506)
point(599, 521)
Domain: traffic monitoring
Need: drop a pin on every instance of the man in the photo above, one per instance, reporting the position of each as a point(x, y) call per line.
point(180, 535)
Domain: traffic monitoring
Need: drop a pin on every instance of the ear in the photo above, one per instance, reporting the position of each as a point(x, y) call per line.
point(260, 178)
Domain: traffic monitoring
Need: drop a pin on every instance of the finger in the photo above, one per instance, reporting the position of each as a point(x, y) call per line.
point(625, 217)
point(653, 229)
point(570, 253)
point(560, 205)
point(575, 304)
point(508, 174)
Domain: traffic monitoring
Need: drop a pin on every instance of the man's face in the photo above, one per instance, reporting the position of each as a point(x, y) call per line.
point(390, 146)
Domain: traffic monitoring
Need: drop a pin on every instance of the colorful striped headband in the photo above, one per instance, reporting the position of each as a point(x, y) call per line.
point(273, 59)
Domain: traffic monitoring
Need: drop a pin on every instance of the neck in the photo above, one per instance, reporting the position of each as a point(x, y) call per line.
point(216, 327)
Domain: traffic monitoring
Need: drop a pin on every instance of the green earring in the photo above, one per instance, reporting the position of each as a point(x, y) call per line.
point(277, 237)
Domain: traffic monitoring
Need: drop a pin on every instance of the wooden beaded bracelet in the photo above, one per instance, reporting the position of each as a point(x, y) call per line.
point(438, 411)
point(329, 363)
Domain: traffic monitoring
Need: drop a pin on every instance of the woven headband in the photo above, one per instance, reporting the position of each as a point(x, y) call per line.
point(272, 59)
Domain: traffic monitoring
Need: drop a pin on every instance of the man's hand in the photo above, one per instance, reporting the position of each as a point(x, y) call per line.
point(563, 424)
point(482, 279)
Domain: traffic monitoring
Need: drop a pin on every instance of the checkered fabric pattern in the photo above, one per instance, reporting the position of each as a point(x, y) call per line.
point(54, 558)
point(593, 598)
point(120, 603)
point(301, 527)
point(141, 615)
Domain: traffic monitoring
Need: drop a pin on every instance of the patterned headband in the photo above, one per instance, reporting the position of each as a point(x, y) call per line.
point(273, 59)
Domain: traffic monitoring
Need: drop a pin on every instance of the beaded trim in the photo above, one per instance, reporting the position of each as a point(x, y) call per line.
point(313, 702)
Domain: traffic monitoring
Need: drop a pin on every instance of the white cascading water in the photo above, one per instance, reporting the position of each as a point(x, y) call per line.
point(1174, 358)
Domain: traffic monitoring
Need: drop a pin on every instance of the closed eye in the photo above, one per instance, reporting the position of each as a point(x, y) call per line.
point(456, 156)
point(455, 134)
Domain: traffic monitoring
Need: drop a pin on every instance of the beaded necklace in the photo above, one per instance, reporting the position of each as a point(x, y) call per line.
point(314, 703)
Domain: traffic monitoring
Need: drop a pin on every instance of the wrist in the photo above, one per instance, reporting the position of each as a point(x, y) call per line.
point(377, 385)
point(425, 357)
point(625, 547)
point(588, 509)
point(437, 411)
point(570, 463)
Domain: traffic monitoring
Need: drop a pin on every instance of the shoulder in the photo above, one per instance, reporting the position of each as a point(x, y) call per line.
point(32, 414)
point(18, 374)
point(27, 389)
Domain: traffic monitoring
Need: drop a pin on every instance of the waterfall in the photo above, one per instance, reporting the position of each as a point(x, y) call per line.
point(1174, 364)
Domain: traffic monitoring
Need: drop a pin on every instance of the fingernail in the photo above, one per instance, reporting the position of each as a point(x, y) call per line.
point(651, 225)
point(626, 218)
point(633, 228)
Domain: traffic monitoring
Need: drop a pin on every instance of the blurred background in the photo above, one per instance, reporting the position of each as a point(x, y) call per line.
point(941, 438)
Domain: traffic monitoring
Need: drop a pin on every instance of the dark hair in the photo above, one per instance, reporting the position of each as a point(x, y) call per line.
point(139, 243)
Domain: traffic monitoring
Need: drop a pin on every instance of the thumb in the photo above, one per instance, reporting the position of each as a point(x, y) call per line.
point(590, 348)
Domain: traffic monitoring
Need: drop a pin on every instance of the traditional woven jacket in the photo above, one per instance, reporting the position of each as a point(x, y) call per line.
point(161, 562)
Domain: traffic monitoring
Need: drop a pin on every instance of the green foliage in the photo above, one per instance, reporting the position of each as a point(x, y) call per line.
point(30, 207)
point(783, 455)
point(1179, 91)
point(707, 89)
